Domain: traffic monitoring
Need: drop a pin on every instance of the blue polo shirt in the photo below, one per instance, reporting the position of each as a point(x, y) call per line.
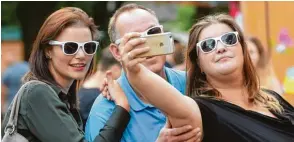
point(146, 120)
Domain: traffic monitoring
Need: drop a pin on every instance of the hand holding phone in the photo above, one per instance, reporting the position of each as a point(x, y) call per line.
point(160, 44)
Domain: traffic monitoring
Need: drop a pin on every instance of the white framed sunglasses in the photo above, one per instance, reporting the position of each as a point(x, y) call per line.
point(210, 44)
point(151, 31)
point(72, 48)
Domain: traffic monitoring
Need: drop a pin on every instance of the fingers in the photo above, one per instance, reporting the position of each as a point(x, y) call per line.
point(130, 49)
point(190, 136)
point(105, 93)
point(105, 87)
point(109, 78)
point(137, 51)
point(181, 130)
point(128, 37)
point(135, 62)
point(110, 85)
point(104, 84)
point(130, 55)
point(185, 133)
point(133, 43)
point(199, 136)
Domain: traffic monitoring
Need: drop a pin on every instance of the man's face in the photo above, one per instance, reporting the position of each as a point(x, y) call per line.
point(139, 20)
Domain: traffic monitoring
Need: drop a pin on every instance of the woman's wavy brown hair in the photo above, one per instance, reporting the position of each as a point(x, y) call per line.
point(197, 84)
point(51, 28)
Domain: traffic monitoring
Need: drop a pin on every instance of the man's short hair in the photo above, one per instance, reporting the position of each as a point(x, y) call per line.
point(112, 31)
point(106, 60)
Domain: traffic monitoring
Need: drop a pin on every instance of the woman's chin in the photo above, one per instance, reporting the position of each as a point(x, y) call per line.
point(226, 70)
point(78, 76)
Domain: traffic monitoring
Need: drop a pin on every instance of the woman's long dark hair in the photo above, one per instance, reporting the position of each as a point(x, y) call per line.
point(50, 29)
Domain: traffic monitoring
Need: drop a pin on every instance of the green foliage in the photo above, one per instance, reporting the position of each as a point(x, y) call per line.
point(8, 10)
point(87, 6)
point(184, 20)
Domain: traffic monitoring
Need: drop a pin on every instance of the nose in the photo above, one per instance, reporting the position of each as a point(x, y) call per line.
point(80, 53)
point(220, 48)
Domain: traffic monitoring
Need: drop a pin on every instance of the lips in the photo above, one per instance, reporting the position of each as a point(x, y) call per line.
point(223, 57)
point(78, 66)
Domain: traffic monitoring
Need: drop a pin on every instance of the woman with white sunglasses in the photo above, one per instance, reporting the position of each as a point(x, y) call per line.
point(61, 58)
point(225, 99)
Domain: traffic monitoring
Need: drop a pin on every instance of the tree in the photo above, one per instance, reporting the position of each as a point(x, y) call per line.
point(101, 15)
point(31, 15)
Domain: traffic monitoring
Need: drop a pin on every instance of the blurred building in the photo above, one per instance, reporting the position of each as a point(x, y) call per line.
point(273, 23)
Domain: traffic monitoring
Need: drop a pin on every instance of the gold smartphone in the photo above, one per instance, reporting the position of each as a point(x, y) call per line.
point(160, 44)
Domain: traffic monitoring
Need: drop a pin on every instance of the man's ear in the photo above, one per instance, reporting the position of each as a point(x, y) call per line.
point(115, 51)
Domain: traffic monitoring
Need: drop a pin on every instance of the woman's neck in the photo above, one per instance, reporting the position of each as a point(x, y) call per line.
point(232, 89)
point(226, 82)
point(65, 84)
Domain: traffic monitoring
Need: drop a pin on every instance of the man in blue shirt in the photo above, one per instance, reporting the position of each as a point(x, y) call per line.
point(146, 120)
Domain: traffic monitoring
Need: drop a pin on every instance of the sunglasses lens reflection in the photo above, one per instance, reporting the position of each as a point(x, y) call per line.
point(70, 47)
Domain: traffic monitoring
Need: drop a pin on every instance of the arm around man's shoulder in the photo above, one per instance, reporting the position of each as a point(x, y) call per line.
point(98, 116)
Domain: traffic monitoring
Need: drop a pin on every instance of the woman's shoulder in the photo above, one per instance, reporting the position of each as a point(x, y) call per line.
point(34, 90)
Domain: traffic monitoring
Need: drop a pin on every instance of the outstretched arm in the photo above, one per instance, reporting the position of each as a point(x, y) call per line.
point(112, 91)
point(180, 109)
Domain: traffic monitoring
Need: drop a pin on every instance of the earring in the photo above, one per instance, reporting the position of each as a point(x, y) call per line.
point(203, 73)
point(48, 57)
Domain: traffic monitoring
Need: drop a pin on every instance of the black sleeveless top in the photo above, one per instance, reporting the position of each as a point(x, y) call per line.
point(226, 122)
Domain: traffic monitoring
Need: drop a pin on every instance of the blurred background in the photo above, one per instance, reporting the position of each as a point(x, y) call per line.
point(271, 22)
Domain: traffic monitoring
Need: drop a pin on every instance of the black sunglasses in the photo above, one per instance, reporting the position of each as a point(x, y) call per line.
point(71, 47)
point(210, 44)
